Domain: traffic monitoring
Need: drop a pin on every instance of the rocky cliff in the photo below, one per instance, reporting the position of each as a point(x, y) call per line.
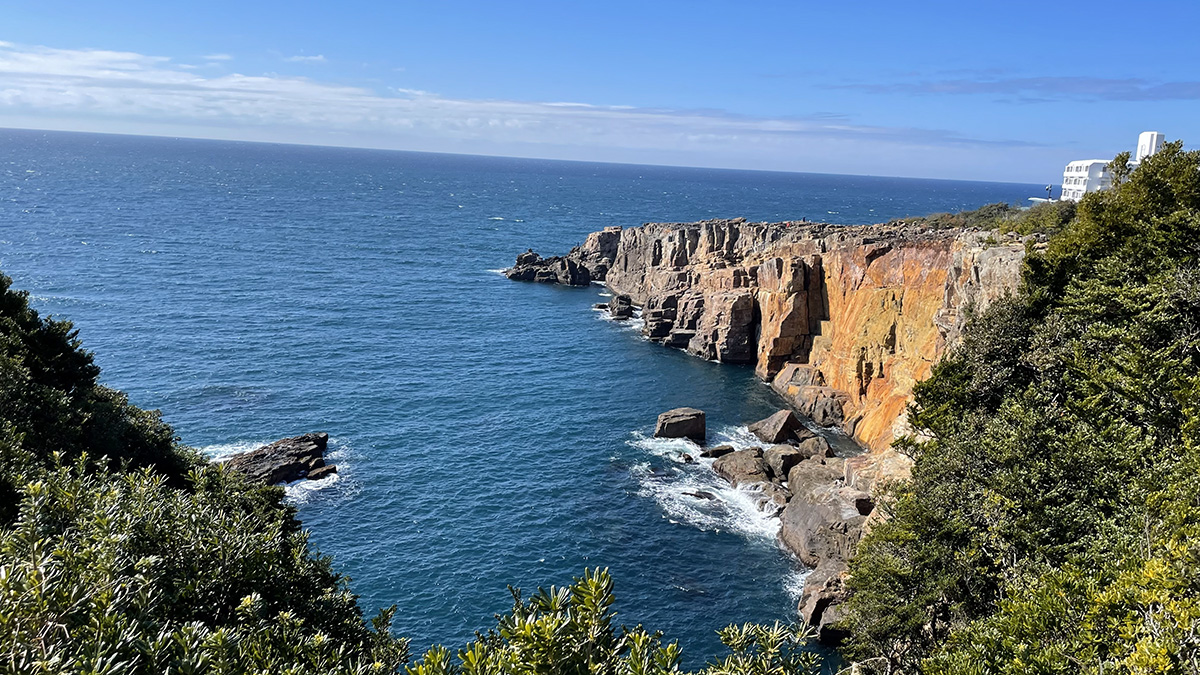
point(843, 321)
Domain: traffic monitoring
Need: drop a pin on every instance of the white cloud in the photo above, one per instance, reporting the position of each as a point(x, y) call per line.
point(135, 93)
point(319, 58)
point(217, 57)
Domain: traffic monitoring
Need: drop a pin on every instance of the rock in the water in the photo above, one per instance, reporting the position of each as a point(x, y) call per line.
point(743, 467)
point(701, 494)
point(554, 270)
point(282, 461)
point(717, 451)
point(781, 459)
point(781, 427)
point(681, 423)
point(823, 587)
point(823, 521)
point(621, 307)
point(322, 472)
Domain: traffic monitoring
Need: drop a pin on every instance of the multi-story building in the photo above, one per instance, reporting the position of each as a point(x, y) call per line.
point(1083, 176)
point(1091, 175)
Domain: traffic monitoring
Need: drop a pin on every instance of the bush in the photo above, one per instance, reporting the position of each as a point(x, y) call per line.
point(1043, 529)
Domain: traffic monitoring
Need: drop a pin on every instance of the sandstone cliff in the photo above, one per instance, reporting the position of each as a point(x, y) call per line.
point(843, 321)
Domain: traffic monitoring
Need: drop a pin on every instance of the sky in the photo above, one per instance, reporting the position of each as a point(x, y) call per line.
point(1004, 91)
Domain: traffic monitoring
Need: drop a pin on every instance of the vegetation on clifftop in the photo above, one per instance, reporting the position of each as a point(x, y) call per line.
point(1052, 523)
point(1041, 218)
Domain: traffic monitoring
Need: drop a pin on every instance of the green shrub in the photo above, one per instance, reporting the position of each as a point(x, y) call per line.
point(1041, 531)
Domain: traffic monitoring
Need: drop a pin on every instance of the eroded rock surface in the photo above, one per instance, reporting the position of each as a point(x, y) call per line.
point(285, 460)
point(681, 423)
point(841, 321)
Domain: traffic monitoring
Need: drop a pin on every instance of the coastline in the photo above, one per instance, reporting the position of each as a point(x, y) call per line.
point(840, 321)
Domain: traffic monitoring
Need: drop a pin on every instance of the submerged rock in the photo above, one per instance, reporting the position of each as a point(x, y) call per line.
point(717, 451)
point(681, 423)
point(285, 460)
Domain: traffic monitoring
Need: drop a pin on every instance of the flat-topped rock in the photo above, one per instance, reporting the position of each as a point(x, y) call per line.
point(285, 460)
point(681, 423)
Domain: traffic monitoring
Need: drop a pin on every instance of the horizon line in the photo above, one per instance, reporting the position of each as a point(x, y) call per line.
point(494, 156)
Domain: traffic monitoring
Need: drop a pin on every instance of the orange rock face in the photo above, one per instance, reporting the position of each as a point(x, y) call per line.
point(843, 321)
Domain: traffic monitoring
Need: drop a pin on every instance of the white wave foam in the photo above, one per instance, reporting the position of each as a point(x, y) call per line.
point(499, 271)
point(495, 218)
point(219, 452)
point(692, 494)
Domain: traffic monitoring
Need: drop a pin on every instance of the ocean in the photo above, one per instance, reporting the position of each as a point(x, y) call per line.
point(487, 432)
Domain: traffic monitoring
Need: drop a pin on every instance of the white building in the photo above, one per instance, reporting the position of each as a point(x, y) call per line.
point(1091, 175)
point(1083, 176)
point(1149, 142)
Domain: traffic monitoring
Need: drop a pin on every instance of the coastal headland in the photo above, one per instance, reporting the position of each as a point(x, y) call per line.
point(842, 321)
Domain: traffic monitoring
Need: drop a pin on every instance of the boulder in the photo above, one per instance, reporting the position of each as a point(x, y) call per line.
point(815, 447)
point(681, 423)
point(774, 497)
point(322, 472)
point(283, 461)
point(823, 521)
point(621, 307)
point(717, 451)
point(743, 467)
point(781, 458)
point(781, 427)
point(823, 587)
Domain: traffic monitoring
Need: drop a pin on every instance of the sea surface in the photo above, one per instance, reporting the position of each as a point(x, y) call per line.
point(487, 432)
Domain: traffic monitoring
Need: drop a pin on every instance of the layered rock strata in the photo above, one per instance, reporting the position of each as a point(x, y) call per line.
point(285, 460)
point(842, 321)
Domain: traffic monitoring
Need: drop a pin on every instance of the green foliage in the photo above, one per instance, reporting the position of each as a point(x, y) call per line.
point(51, 402)
point(1049, 520)
point(570, 631)
point(124, 552)
point(1041, 218)
point(120, 573)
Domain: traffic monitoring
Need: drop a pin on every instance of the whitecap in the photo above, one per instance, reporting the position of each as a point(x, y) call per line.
point(495, 218)
point(694, 495)
point(499, 271)
point(219, 452)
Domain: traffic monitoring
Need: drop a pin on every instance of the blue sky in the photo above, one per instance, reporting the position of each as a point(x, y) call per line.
point(986, 90)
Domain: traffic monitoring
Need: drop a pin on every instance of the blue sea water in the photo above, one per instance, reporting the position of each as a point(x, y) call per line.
point(487, 432)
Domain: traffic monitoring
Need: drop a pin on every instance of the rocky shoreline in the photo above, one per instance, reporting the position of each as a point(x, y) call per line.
point(842, 321)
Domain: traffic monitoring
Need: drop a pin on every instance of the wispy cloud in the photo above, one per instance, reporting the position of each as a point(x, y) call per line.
point(218, 57)
point(1045, 89)
point(152, 91)
point(319, 58)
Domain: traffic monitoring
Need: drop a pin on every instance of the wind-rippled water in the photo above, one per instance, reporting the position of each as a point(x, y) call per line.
point(487, 432)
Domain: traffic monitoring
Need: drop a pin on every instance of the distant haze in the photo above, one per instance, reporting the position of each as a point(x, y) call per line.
point(872, 88)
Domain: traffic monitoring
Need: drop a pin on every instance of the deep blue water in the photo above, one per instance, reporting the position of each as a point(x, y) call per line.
point(488, 432)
